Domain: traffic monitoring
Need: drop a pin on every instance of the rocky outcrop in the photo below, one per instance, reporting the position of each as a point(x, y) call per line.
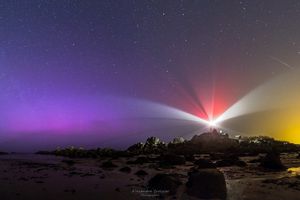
point(152, 146)
point(136, 148)
point(213, 142)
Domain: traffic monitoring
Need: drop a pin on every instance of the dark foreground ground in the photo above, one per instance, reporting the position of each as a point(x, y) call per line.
point(48, 177)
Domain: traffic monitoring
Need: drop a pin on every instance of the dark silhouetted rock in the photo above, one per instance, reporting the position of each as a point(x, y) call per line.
point(87, 174)
point(213, 142)
point(141, 173)
point(204, 163)
point(189, 157)
point(73, 152)
point(272, 161)
point(230, 160)
point(152, 146)
point(240, 163)
point(136, 148)
point(69, 162)
point(216, 156)
point(102, 177)
point(256, 160)
point(207, 184)
point(43, 152)
point(169, 182)
point(39, 181)
point(108, 165)
point(172, 159)
point(140, 160)
point(125, 169)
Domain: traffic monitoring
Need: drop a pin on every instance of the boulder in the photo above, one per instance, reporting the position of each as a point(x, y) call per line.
point(272, 161)
point(207, 184)
point(68, 162)
point(240, 163)
point(189, 157)
point(125, 169)
point(216, 156)
point(172, 159)
point(141, 173)
point(256, 160)
point(108, 165)
point(140, 160)
point(230, 160)
point(204, 163)
point(169, 182)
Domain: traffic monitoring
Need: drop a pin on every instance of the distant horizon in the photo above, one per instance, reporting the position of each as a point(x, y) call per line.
point(120, 145)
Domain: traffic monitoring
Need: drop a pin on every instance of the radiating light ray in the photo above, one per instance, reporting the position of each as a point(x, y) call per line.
point(170, 112)
point(270, 109)
point(276, 93)
point(281, 62)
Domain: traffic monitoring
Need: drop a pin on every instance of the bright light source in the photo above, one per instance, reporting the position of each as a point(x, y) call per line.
point(212, 123)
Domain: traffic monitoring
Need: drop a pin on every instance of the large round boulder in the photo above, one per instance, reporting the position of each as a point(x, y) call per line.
point(166, 182)
point(272, 161)
point(207, 184)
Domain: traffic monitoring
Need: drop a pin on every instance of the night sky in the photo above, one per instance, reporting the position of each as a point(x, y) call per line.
point(95, 73)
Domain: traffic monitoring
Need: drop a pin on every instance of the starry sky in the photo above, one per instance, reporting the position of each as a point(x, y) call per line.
point(88, 72)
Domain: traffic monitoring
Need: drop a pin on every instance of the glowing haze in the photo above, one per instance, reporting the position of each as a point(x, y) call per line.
point(110, 73)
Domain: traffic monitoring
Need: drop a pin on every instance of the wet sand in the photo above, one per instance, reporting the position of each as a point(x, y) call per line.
point(30, 176)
